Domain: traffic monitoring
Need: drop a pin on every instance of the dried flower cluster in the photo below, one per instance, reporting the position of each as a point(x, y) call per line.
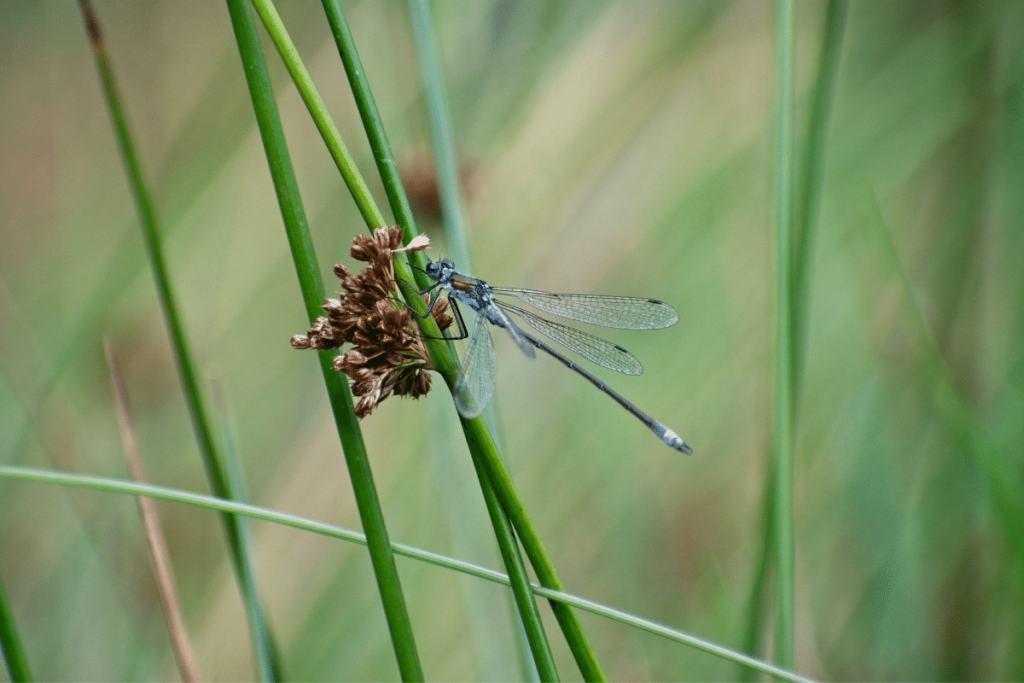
point(387, 355)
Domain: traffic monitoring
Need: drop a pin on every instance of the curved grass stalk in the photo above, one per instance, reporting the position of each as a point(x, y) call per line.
point(533, 627)
point(255, 512)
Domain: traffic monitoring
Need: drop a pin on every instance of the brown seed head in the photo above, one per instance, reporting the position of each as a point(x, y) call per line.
point(387, 355)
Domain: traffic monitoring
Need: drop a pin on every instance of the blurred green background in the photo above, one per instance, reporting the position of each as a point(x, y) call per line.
point(610, 147)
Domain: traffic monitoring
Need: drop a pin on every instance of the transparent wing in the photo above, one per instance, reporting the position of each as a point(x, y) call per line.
point(595, 349)
point(513, 331)
point(623, 312)
point(475, 384)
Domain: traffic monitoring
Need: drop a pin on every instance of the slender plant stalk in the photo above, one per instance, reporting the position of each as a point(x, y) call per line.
point(312, 291)
point(184, 653)
point(783, 469)
point(370, 117)
point(122, 486)
point(807, 221)
point(757, 604)
point(321, 117)
point(442, 131)
point(1003, 483)
point(179, 343)
point(312, 287)
point(518, 580)
point(350, 174)
point(530, 618)
point(441, 352)
point(445, 161)
point(481, 443)
point(264, 658)
point(13, 651)
point(808, 215)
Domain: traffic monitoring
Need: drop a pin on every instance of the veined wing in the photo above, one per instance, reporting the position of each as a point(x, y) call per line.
point(513, 331)
point(595, 349)
point(623, 312)
point(475, 383)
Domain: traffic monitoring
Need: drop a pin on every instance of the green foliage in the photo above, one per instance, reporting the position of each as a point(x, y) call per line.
point(614, 147)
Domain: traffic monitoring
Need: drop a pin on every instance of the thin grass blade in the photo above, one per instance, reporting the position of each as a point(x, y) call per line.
point(807, 227)
point(482, 445)
point(265, 659)
point(179, 342)
point(307, 269)
point(522, 589)
point(10, 642)
point(783, 468)
point(1004, 488)
point(184, 653)
point(441, 352)
point(812, 179)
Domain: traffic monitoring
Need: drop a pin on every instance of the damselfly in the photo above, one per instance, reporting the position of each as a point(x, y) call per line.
point(475, 384)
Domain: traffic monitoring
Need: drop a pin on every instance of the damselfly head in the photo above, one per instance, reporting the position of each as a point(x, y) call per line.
point(438, 269)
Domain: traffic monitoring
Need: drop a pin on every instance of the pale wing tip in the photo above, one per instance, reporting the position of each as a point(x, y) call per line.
point(627, 363)
point(669, 315)
point(466, 403)
point(468, 411)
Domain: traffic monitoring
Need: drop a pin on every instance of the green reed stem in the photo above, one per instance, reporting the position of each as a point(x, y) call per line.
point(13, 651)
point(808, 216)
point(807, 222)
point(481, 442)
point(208, 448)
point(481, 445)
point(265, 658)
point(442, 133)
point(440, 351)
point(308, 272)
point(318, 111)
point(445, 162)
point(519, 580)
point(783, 468)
